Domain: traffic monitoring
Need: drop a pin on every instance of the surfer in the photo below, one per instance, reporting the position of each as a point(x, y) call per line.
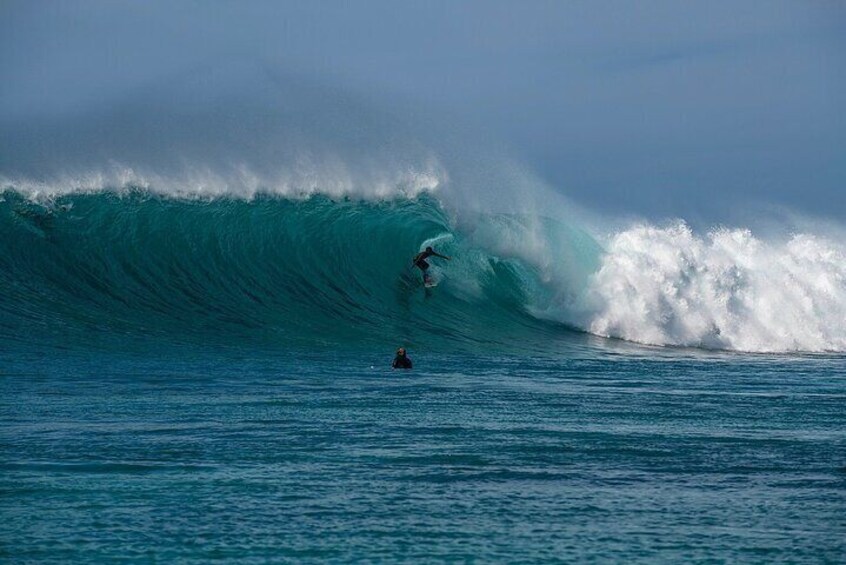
point(401, 361)
point(421, 263)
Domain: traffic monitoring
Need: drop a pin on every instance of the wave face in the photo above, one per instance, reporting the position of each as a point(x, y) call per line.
point(316, 270)
point(290, 271)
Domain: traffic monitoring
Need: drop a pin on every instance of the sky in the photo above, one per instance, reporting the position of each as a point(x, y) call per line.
point(662, 109)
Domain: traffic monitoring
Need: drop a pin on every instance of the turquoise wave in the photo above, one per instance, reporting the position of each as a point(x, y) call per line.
point(313, 271)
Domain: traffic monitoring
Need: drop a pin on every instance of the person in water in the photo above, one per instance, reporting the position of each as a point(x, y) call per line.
point(401, 361)
point(421, 263)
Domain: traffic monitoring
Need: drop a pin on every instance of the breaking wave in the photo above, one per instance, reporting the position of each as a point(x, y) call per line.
point(321, 270)
point(243, 203)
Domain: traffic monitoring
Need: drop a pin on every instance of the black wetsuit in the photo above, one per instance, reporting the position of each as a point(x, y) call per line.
point(401, 362)
point(420, 260)
point(421, 263)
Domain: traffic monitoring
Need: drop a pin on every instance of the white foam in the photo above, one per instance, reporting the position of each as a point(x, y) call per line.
point(329, 177)
point(727, 290)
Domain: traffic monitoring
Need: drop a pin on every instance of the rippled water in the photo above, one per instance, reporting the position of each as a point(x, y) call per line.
point(644, 455)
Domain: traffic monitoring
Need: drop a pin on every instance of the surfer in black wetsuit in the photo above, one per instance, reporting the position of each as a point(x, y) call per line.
point(421, 263)
point(401, 361)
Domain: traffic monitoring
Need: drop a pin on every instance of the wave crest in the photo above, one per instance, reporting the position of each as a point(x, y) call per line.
point(334, 178)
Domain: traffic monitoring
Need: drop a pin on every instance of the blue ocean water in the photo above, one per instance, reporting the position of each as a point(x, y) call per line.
point(234, 455)
point(188, 380)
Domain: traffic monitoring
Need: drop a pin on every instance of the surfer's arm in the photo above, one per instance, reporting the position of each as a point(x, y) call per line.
point(442, 256)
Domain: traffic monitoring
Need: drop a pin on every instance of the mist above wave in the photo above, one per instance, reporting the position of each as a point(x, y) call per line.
point(232, 130)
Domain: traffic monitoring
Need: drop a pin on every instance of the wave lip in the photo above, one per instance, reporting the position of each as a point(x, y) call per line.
point(336, 179)
point(728, 290)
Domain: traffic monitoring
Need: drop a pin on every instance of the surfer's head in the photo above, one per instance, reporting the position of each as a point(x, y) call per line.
point(401, 351)
point(429, 249)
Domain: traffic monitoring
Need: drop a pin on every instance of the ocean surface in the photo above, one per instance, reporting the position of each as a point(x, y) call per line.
point(207, 380)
